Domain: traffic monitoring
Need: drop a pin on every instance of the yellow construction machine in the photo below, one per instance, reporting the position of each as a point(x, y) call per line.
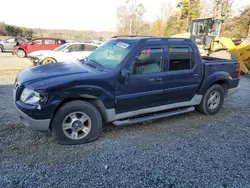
point(205, 32)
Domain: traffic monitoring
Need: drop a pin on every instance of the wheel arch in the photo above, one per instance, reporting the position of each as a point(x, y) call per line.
point(21, 49)
point(220, 78)
point(91, 99)
point(49, 57)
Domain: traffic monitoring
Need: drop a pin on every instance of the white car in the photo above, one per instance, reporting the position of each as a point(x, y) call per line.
point(65, 52)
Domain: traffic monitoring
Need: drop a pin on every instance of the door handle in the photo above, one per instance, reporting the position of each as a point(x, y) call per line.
point(195, 75)
point(158, 79)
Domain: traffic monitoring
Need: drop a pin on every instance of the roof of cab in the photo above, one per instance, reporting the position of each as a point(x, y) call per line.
point(149, 38)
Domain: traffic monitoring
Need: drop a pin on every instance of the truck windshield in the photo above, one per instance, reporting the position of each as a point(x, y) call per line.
point(110, 54)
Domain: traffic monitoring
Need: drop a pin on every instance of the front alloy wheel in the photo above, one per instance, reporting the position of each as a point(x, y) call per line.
point(76, 125)
point(48, 60)
point(76, 122)
point(21, 53)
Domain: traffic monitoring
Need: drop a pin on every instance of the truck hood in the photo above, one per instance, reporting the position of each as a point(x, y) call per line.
point(55, 70)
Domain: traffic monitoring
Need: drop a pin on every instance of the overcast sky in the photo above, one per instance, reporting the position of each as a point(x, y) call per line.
point(73, 14)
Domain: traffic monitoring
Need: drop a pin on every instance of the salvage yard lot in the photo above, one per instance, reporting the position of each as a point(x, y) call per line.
point(191, 150)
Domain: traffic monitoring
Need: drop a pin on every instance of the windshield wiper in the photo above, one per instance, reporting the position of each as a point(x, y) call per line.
point(94, 64)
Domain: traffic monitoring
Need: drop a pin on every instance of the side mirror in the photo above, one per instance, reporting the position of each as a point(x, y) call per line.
point(66, 50)
point(125, 73)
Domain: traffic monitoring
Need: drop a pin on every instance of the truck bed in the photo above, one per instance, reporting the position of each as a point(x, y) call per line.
point(212, 65)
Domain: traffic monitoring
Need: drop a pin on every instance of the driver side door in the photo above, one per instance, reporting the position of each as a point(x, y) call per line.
point(72, 52)
point(144, 87)
point(35, 45)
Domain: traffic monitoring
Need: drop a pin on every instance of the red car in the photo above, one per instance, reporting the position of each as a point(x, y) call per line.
point(37, 44)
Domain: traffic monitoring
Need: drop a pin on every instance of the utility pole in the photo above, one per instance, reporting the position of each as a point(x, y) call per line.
point(248, 33)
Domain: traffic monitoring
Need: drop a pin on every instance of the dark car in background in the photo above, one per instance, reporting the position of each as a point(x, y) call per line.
point(7, 45)
point(24, 49)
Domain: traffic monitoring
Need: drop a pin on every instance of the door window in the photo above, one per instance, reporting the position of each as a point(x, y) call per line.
point(49, 41)
point(90, 47)
point(74, 48)
point(149, 60)
point(180, 58)
point(11, 40)
point(37, 41)
point(60, 42)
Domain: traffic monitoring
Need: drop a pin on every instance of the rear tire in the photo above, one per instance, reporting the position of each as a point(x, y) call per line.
point(212, 100)
point(48, 60)
point(76, 122)
point(21, 53)
point(1, 49)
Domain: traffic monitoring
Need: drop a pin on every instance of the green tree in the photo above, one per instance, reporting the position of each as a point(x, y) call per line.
point(171, 26)
point(238, 25)
point(189, 9)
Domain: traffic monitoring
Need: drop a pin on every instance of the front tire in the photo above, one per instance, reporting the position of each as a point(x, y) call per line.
point(212, 100)
point(77, 122)
point(21, 53)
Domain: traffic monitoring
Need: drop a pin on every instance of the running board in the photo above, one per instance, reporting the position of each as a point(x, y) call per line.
point(152, 117)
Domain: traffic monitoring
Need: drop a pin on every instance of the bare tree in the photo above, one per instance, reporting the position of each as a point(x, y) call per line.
point(159, 26)
point(130, 18)
point(206, 8)
point(222, 8)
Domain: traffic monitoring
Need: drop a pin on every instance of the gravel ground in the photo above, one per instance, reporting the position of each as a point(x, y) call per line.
point(190, 150)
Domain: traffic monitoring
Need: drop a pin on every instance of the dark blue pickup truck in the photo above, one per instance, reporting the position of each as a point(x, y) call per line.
point(125, 81)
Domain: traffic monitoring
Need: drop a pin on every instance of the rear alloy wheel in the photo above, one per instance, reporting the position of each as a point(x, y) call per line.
point(214, 100)
point(21, 53)
point(76, 122)
point(48, 60)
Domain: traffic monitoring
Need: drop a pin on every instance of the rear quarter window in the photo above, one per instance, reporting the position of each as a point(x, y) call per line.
point(61, 41)
point(38, 41)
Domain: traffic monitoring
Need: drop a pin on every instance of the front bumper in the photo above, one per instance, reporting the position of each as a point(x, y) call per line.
point(34, 59)
point(41, 125)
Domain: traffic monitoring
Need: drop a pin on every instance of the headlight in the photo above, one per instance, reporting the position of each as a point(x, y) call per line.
point(29, 96)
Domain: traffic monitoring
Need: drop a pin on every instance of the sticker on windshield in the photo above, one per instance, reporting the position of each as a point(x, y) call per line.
point(122, 45)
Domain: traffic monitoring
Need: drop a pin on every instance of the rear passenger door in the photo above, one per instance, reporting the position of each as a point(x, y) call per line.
point(184, 74)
